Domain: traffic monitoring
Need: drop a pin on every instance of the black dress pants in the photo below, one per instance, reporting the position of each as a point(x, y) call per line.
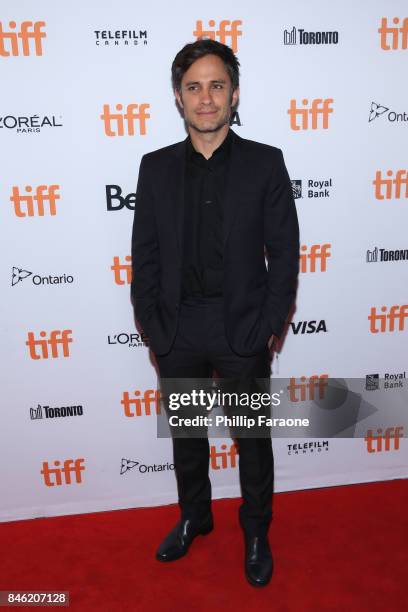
point(200, 347)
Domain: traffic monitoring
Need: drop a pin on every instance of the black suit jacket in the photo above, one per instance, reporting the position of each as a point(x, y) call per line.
point(259, 211)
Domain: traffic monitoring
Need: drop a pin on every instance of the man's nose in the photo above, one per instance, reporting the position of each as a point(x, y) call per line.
point(205, 95)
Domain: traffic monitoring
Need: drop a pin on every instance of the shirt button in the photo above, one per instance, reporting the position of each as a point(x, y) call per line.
point(207, 201)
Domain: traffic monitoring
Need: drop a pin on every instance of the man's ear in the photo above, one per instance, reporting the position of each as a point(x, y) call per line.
point(178, 98)
point(235, 97)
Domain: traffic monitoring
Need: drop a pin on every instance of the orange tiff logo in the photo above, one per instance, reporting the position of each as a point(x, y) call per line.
point(223, 459)
point(141, 403)
point(58, 342)
point(122, 272)
point(57, 476)
point(305, 390)
point(391, 187)
point(125, 122)
point(14, 42)
point(381, 323)
point(375, 441)
point(317, 253)
point(227, 32)
point(28, 205)
point(393, 37)
point(319, 111)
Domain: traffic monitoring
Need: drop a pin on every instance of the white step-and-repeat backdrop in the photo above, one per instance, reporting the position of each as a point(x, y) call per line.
point(85, 93)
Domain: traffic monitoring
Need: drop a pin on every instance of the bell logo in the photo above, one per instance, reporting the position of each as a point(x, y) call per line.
point(318, 252)
point(223, 459)
point(375, 442)
point(395, 312)
point(58, 476)
point(119, 268)
point(305, 390)
point(13, 43)
point(395, 36)
point(134, 113)
point(30, 205)
point(391, 188)
point(318, 108)
point(227, 30)
point(138, 405)
point(58, 341)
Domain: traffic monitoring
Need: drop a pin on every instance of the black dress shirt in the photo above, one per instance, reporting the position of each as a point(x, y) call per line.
point(203, 218)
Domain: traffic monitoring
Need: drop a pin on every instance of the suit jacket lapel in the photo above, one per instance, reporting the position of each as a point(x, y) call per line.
point(176, 190)
point(237, 176)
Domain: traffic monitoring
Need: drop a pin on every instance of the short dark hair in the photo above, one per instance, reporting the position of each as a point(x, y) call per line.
point(198, 49)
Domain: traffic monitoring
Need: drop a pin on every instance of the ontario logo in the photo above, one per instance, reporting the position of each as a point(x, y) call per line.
point(378, 110)
point(144, 468)
point(18, 275)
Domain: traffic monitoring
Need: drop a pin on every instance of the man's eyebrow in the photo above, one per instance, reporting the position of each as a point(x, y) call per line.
point(198, 82)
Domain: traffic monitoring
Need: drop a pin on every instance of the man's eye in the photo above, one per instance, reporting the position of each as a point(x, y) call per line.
point(217, 86)
point(192, 87)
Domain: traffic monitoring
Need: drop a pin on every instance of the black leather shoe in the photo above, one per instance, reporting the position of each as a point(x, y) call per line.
point(258, 560)
point(178, 541)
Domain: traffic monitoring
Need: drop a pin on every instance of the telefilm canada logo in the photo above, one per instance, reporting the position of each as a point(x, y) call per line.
point(377, 254)
point(313, 188)
point(144, 468)
point(308, 448)
point(29, 124)
point(378, 110)
point(389, 380)
point(55, 412)
point(19, 275)
point(121, 38)
point(299, 36)
point(129, 339)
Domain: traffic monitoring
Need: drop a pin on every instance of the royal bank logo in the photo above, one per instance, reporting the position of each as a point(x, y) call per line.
point(377, 110)
point(303, 37)
point(297, 189)
point(120, 38)
point(389, 380)
point(378, 254)
point(372, 382)
point(144, 468)
point(308, 448)
point(18, 275)
point(316, 188)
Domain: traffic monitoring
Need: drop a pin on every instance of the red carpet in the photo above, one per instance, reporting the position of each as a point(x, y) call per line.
point(339, 548)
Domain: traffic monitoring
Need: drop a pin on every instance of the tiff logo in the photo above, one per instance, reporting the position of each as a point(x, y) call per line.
point(138, 405)
point(58, 476)
point(125, 121)
point(317, 253)
point(319, 108)
point(396, 36)
point(13, 43)
point(388, 188)
point(28, 205)
point(118, 268)
point(306, 389)
point(223, 459)
point(227, 31)
point(58, 341)
point(387, 320)
point(375, 442)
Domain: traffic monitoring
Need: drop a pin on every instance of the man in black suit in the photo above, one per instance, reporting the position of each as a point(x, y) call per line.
point(206, 210)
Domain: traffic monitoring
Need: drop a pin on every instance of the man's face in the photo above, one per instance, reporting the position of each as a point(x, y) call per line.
point(206, 95)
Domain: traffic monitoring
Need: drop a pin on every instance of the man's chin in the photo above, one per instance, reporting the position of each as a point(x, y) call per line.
point(206, 128)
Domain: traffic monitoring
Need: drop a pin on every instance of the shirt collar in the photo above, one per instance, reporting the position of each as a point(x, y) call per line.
point(219, 153)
